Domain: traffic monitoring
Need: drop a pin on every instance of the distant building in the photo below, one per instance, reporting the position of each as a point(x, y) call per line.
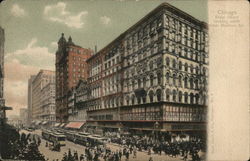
point(71, 66)
point(24, 116)
point(42, 79)
point(48, 106)
point(30, 89)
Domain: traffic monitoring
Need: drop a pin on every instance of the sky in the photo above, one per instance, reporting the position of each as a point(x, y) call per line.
point(33, 27)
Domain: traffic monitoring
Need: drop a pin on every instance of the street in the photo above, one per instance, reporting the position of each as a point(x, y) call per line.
point(53, 155)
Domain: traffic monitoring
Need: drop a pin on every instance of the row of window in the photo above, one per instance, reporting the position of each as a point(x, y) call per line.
point(171, 96)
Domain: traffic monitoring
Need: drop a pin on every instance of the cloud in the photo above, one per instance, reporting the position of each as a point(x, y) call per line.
point(19, 65)
point(17, 11)
point(53, 44)
point(105, 20)
point(33, 55)
point(58, 13)
point(16, 84)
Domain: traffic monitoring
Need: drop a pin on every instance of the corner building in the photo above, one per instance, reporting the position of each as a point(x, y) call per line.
point(158, 81)
point(70, 68)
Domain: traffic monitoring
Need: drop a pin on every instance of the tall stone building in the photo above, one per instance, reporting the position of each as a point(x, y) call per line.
point(23, 115)
point(48, 105)
point(42, 79)
point(30, 89)
point(153, 76)
point(70, 68)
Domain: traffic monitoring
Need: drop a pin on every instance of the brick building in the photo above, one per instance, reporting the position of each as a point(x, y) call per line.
point(70, 68)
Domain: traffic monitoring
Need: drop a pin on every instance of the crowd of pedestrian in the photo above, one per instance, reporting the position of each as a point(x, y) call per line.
point(131, 144)
point(184, 148)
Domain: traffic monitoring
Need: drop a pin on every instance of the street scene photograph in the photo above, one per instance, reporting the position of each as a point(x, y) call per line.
point(112, 80)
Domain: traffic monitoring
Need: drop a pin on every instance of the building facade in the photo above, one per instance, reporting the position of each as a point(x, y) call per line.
point(70, 68)
point(24, 116)
point(48, 105)
point(153, 76)
point(105, 83)
point(42, 79)
point(78, 102)
point(30, 89)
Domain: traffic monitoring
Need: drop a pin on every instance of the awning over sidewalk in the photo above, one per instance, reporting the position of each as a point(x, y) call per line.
point(57, 124)
point(44, 122)
point(62, 125)
point(38, 122)
point(75, 125)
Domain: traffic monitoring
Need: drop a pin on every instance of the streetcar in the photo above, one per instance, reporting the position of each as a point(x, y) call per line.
point(81, 138)
point(96, 140)
point(70, 135)
point(56, 138)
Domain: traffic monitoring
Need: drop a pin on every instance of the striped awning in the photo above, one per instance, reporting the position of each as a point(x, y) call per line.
point(57, 124)
point(63, 124)
point(75, 125)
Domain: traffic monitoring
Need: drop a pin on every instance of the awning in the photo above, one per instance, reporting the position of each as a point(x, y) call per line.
point(44, 122)
point(63, 124)
point(57, 124)
point(75, 125)
point(38, 122)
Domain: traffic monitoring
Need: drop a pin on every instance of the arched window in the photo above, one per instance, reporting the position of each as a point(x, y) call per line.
point(151, 66)
point(167, 94)
point(186, 97)
point(197, 70)
point(144, 82)
point(167, 78)
point(180, 96)
point(151, 96)
point(191, 68)
point(180, 81)
point(174, 63)
point(151, 80)
point(127, 100)
point(133, 84)
point(167, 61)
point(159, 78)
point(196, 84)
point(139, 83)
point(158, 93)
point(139, 100)
point(186, 67)
point(180, 65)
point(191, 83)
point(144, 99)
point(133, 100)
point(174, 79)
point(204, 70)
point(191, 98)
point(197, 98)
point(185, 82)
point(174, 95)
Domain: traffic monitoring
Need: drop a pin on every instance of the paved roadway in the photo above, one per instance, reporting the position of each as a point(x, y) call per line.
point(53, 155)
